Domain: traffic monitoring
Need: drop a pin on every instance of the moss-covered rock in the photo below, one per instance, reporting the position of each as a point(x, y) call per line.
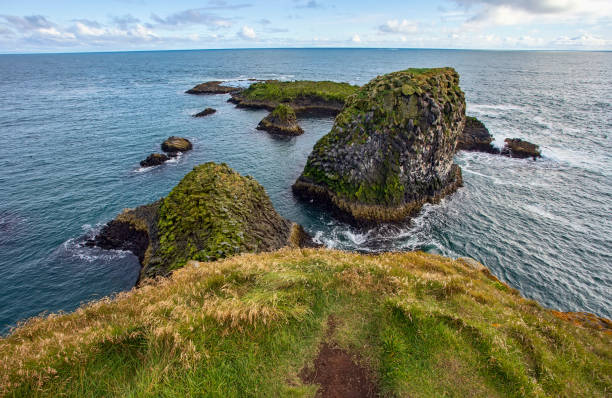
point(517, 148)
point(281, 120)
point(305, 97)
point(476, 137)
point(212, 213)
point(391, 148)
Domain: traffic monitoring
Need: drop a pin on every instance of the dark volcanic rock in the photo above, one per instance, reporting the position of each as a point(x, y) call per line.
point(154, 159)
point(132, 230)
point(212, 213)
point(281, 121)
point(176, 144)
point(391, 149)
point(517, 148)
point(214, 87)
point(475, 137)
point(205, 112)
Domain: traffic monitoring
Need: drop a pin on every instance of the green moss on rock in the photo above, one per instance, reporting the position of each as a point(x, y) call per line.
point(391, 148)
point(212, 213)
point(282, 120)
point(305, 97)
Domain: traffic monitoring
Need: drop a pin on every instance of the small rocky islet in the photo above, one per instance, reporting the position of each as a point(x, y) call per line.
point(282, 121)
point(205, 112)
point(172, 146)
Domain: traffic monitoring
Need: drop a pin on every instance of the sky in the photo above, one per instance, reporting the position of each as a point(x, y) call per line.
point(120, 25)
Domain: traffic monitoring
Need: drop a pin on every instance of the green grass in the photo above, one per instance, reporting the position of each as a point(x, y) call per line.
point(426, 326)
point(284, 112)
point(277, 91)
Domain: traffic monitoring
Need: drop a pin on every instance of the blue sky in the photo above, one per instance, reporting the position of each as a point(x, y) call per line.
point(66, 26)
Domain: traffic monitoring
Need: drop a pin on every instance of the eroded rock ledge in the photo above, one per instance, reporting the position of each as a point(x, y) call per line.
point(214, 87)
point(212, 213)
point(391, 149)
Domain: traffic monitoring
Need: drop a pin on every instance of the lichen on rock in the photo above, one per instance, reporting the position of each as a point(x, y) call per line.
point(391, 148)
point(212, 213)
point(282, 120)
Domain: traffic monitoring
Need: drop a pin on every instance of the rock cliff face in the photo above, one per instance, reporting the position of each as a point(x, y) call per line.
point(391, 148)
point(281, 121)
point(212, 213)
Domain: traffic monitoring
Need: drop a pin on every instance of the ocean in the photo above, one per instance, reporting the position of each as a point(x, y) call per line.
point(74, 127)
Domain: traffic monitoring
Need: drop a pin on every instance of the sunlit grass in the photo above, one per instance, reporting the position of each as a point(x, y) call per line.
point(245, 326)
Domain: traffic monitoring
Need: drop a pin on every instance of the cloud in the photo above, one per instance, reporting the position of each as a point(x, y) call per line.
point(521, 12)
point(27, 23)
point(196, 16)
point(247, 33)
point(310, 4)
point(585, 40)
point(264, 21)
point(125, 22)
point(356, 38)
point(395, 26)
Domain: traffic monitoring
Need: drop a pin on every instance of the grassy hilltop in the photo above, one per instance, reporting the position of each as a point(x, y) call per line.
point(402, 324)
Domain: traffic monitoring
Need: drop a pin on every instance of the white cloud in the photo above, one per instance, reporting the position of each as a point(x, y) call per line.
point(356, 38)
point(247, 33)
point(396, 26)
point(522, 12)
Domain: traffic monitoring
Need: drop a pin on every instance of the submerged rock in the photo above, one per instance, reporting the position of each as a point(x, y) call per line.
point(517, 148)
point(176, 144)
point(205, 112)
point(212, 213)
point(214, 87)
point(281, 120)
point(475, 137)
point(391, 149)
point(154, 159)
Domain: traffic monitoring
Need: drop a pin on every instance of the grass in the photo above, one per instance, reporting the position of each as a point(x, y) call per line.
point(284, 113)
point(289, 91)
point(427, 326)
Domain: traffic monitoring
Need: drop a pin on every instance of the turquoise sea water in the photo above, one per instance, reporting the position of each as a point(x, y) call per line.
point(73, 128)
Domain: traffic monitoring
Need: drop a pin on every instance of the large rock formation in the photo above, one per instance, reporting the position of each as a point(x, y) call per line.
point(476, 137)
point(281, 120)
point(212, 213)
point(391, 148)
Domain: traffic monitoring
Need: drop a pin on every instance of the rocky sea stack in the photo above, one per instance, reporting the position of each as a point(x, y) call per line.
point(476, 137)
point(391, 148)
point(282, 121)
point(212, 213)
point(517, 148)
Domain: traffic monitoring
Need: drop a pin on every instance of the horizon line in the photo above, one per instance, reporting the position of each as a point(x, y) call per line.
point(298, 48)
